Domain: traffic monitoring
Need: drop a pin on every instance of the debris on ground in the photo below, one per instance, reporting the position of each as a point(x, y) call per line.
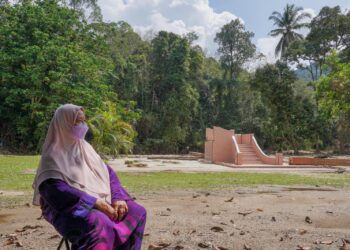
point(308, 220)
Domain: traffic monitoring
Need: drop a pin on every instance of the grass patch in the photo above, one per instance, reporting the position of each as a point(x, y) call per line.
point(169, 181)
point(17, 173)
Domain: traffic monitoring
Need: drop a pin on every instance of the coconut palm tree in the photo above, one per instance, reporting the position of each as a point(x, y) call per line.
point(288, 23)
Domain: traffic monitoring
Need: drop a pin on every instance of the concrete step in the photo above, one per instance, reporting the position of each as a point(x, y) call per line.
point(248, 152)
point(246, 149)
point(251, 160)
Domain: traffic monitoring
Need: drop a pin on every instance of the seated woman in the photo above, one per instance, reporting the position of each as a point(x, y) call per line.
point(79, 194)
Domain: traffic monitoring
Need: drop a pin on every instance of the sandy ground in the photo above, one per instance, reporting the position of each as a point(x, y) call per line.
point(157, 165)
point(259, 218)
point(265, 217)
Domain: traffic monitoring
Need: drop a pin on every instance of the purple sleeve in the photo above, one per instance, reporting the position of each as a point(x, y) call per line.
point(64, 198)
point(117, 190)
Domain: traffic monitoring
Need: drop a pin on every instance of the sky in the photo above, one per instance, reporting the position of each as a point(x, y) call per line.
point(206, 17)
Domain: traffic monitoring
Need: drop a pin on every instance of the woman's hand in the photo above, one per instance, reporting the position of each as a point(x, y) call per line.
point(121, 207)
point(104, 207)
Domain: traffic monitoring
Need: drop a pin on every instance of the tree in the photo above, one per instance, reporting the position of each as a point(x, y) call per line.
point(333, 91)
point(49, 56)
point(329, 30)
point(235, 47)
point(83, 5)
point(167, 122)
point(290, 114)
point(288, 23)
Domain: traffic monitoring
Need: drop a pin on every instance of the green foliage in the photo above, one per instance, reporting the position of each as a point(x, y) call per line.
point(49, 56)
point(235, 47)
point(333, 93)
point(288, 23)
point(174, 103)
point(291, 114)
point(329, 30)
point(333, 90)
point(160, 95)
point(111, 135)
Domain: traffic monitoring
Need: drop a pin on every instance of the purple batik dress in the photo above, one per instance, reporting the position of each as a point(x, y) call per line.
point(71, 212)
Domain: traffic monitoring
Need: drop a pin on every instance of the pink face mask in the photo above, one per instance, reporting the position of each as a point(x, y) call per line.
point(79, 131)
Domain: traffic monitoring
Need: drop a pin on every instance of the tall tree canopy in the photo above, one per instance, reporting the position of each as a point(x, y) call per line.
point(329, 30)
point(235, 47)
point(287, 24)
point(49, 56)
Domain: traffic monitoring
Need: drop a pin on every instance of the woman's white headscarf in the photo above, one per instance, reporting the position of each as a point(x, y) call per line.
point(71, 160)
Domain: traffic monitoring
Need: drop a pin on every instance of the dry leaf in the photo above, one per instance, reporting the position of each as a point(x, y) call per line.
point(326, 242)
point(308, 220)
point(158, 246)
point(259, 209)
point(178, 247)
point(245, 213)
point(217, 229)
point(229, 200)
point(303, 247)
point(302, 232)
point(345, 246)
point(203, 245)
point(19, 244)
point(247, 247)
point(220, 248)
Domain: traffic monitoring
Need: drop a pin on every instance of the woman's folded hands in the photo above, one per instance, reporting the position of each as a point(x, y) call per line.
point(115, 212)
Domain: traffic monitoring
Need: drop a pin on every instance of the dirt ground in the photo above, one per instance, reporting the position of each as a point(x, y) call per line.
point(242, 218)
point(265, 217)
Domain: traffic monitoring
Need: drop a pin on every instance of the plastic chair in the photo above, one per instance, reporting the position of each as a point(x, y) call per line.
point(61, 243)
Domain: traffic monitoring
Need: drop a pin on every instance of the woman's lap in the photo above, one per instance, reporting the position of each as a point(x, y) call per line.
point(97, 231)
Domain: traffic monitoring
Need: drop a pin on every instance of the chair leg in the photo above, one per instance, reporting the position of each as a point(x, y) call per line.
point(67, 244)
point(61, 242)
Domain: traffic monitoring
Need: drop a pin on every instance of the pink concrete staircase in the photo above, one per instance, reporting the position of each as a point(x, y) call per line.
point(224, 146)
point(248, 154)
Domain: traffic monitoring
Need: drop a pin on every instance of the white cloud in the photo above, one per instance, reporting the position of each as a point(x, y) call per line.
point(178, 16)
point(267, 45)
point(311, 12)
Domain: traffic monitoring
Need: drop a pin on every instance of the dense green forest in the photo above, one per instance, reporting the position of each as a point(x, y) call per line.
point(159, 95)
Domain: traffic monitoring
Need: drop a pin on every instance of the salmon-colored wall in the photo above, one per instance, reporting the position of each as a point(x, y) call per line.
point(208, 146)
point(222, 145)
point(208, 155)
point(318, 161)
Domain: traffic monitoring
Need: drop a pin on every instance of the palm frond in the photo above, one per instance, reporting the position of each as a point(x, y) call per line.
point(277, 21)
point(277, 32)
point(301, 16)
